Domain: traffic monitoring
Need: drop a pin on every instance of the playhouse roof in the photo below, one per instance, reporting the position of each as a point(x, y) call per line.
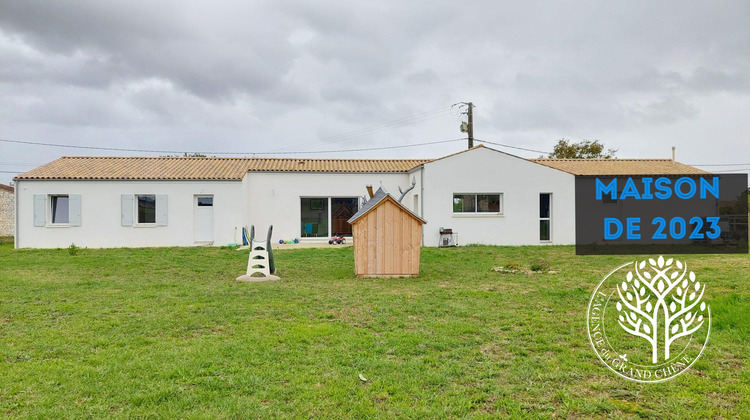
point(379, 197)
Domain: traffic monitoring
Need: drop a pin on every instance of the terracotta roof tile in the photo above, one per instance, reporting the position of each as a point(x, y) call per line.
point(334, 165)
point(620, 166)
point(7, 188)
point(212, 168)
point(206, 168)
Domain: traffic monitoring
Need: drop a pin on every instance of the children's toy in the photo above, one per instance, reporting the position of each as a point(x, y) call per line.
point(245, 236)
point(260, 264)
point(337, 240)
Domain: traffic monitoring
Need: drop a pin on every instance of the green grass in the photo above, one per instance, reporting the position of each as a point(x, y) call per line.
point(168, 333)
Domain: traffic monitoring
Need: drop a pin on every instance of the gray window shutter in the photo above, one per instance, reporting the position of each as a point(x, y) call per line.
point(40, 210)
point(161, 210)
point(74, 209)
point(126, 210)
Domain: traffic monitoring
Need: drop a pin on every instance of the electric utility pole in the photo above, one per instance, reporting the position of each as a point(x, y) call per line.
point(470, 129)
point(467, 127)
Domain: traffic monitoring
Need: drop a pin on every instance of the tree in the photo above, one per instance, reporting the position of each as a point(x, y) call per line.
point(670, 293)
point(585, 149)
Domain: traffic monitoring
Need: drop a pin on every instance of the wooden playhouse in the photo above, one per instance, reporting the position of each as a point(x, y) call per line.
point(387, 238)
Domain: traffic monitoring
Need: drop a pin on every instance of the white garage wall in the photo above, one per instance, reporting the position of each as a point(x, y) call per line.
point(100, 216)
point(274, 197)
point(484, 170)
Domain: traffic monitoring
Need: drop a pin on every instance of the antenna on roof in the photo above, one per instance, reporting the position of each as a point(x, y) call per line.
point(403, 193)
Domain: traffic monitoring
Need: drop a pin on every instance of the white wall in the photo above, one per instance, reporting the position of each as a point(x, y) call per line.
point(101, 224)
point(485, 170)
point(274, 198)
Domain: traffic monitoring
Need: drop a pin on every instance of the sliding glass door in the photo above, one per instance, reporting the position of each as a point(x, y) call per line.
point(318, 214)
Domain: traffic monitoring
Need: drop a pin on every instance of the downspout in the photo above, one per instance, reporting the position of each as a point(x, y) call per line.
point(421, 197)
point(15, 213)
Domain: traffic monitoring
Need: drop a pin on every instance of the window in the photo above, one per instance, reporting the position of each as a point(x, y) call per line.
point(314, 217)
point(146, 209)
point(342, 209)
point(322, 217)
point(205, 201)
point(60, 209)
point(545, 217)
point(478, 203)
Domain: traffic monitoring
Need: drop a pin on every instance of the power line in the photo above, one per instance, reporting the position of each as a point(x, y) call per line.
point(512, 147)
point(733, 170)
point(720, 164)
point(362, 149)
point(117, 149)
point(423, 116)
point(74, 146)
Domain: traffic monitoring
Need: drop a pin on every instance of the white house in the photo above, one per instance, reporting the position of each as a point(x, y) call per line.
point(484, 195)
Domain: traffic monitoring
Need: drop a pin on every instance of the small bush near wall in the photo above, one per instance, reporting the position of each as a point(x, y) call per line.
point(6, 240)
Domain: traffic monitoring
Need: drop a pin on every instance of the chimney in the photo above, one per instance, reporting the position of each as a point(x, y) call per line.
point(369, 190)
point(673, 149)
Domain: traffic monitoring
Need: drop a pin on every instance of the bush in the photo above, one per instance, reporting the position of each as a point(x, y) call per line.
point(540, 265)
point(73, 249)
point(512, 265)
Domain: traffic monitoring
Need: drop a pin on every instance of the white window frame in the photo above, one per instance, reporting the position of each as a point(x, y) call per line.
point(476, 213)
point(548, 218)
point(50, 211)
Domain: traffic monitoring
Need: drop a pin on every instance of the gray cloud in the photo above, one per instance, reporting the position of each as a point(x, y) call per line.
point(271, 75)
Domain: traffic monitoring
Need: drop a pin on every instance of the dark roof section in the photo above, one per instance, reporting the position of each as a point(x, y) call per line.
point(379, 196)
point(7, 188)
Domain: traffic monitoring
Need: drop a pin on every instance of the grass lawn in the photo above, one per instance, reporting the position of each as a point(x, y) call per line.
point(168, 333)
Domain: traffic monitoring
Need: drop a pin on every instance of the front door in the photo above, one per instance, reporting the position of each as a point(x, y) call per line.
point(203, 226)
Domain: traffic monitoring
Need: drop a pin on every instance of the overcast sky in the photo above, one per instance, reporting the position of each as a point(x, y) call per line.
point(281, 76)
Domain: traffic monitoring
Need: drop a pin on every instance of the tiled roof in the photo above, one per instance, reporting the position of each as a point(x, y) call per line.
point(334, 165)
point(620, 166)
point(213, 168)
point(7, 188)
point(140, 168)
point(205, 168)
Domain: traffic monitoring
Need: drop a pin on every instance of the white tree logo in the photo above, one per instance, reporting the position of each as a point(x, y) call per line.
point(660, 293)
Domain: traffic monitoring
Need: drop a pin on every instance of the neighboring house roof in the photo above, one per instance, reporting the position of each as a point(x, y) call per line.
point(620, 166)
point(203, 168)
point(381, 195)
point(7, 188)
